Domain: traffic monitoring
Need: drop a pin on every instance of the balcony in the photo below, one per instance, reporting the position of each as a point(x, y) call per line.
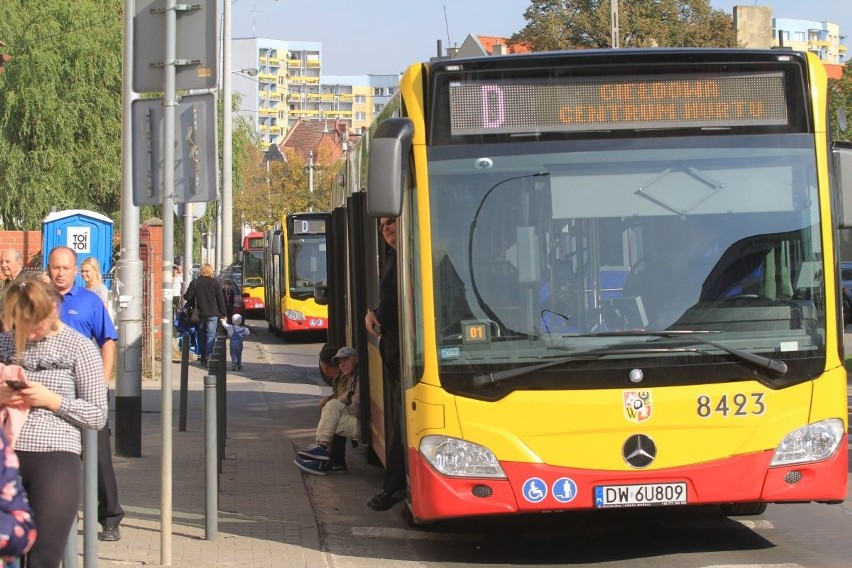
point(304, 112)
point(269, 60)
point(299, 80)
point(267, 78)
point(313, 63)
point(294, 63)
point(269, 112)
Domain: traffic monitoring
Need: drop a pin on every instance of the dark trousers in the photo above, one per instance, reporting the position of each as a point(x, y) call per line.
point(110, 512)
point(53, 481)
point(395, 476)
point(337, 449)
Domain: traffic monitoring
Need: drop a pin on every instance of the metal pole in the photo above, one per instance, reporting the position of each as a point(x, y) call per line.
point(128, 281)
point(188, 226)
point(613, 14)
point(184, 381)
point(227, 256)
point(169, 105)
point(90, 498)
point(211, 469)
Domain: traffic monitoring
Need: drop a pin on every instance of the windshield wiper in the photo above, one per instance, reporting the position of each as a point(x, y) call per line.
point(484, 379)
point(764, 363)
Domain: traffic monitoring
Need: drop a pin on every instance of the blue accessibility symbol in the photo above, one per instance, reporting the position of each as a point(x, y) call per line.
point(535, 490)
point(564, 490)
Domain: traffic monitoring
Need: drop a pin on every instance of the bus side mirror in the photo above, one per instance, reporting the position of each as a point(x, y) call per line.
point(842, 155)
point(321, 294)
point(389, 150)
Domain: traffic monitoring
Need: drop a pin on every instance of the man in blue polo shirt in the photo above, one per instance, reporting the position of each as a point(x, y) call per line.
point(84, 311)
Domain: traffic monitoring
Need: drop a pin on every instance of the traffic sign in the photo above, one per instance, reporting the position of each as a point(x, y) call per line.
point(197, 210)
point(195, 150)
point(196, 63)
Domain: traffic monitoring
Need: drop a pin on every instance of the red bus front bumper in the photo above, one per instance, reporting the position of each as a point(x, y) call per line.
point(307, 324)
point(745, 478)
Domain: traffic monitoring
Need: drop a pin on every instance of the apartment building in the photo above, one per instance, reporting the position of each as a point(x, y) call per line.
point(280, 83)
point(821, 38)
point(757, 29)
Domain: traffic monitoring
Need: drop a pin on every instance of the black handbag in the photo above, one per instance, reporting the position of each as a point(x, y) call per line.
point(189, 314)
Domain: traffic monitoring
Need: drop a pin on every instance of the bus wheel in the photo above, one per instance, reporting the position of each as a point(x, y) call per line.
point(743, 509)
point(411, 521)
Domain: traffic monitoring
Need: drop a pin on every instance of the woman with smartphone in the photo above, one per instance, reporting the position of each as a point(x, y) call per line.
point(64, 391)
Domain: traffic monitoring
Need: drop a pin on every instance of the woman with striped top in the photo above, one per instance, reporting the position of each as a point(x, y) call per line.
point(64, 391)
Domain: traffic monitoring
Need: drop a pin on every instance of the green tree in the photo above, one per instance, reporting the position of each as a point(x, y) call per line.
point(840, 97)
point(270, 190)
point(554, 25)
point(60, 109)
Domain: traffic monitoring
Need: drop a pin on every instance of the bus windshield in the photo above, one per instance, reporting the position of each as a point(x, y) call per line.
point(307, 264)
point(550, 249)
point(252, 268)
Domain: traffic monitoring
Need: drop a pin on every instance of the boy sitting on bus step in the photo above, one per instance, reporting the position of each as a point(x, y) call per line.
point(236, 332)
point(340, 416)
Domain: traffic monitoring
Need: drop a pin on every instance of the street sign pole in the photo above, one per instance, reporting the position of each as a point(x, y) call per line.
point(168, 258)
point(128, 282)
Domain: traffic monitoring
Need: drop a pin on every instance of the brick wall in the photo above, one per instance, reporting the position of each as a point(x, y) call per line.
point(28, 242)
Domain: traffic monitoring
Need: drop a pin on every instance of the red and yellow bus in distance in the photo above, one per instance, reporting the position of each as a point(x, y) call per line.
point(294, 263)
point(253, 291)
point(618, 280)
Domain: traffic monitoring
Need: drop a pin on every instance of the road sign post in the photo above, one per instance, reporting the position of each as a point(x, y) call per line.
point(189, 61)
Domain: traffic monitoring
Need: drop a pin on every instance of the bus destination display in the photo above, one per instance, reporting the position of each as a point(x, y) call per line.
point(617, 103)
point(308, 226)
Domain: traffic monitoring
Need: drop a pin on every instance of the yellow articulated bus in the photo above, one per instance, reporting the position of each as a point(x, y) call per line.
point(618, 281)
point(294, 261)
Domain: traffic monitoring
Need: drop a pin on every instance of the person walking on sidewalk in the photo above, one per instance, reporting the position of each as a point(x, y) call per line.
point(206, 295)
point(64, 390)
point(236, 332)
point(340, 415)
point(83, 310)
point(383, 322)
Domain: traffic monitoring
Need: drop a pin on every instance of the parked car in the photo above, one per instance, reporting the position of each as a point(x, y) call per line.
point(846, 283)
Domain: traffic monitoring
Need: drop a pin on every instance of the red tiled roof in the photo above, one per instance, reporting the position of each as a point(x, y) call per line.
point(834, 71)
point(488, 42)
point(307, 136)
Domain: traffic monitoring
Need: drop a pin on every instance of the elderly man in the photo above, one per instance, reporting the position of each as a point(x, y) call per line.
point(340, 416)
point(11, 266)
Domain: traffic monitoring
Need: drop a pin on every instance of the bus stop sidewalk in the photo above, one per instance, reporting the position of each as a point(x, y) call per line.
point(265, 516)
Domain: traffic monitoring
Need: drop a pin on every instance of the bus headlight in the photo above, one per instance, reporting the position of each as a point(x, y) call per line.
point(294, 315)
point(811, 443)
point(457, 458)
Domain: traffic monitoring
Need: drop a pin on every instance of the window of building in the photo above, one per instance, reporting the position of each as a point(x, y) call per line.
point(377, 108)
point(360, 116)
point(360, 99)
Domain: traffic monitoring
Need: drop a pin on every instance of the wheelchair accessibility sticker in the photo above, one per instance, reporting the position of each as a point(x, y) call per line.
point(564, 490)
point(535, 490)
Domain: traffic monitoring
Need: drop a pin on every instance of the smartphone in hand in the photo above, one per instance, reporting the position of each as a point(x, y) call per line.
point(16, 385)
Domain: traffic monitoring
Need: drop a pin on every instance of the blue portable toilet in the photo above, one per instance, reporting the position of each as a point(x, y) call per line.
point(86, 232)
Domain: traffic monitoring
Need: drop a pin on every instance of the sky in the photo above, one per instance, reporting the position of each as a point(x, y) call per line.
point(385, 36)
